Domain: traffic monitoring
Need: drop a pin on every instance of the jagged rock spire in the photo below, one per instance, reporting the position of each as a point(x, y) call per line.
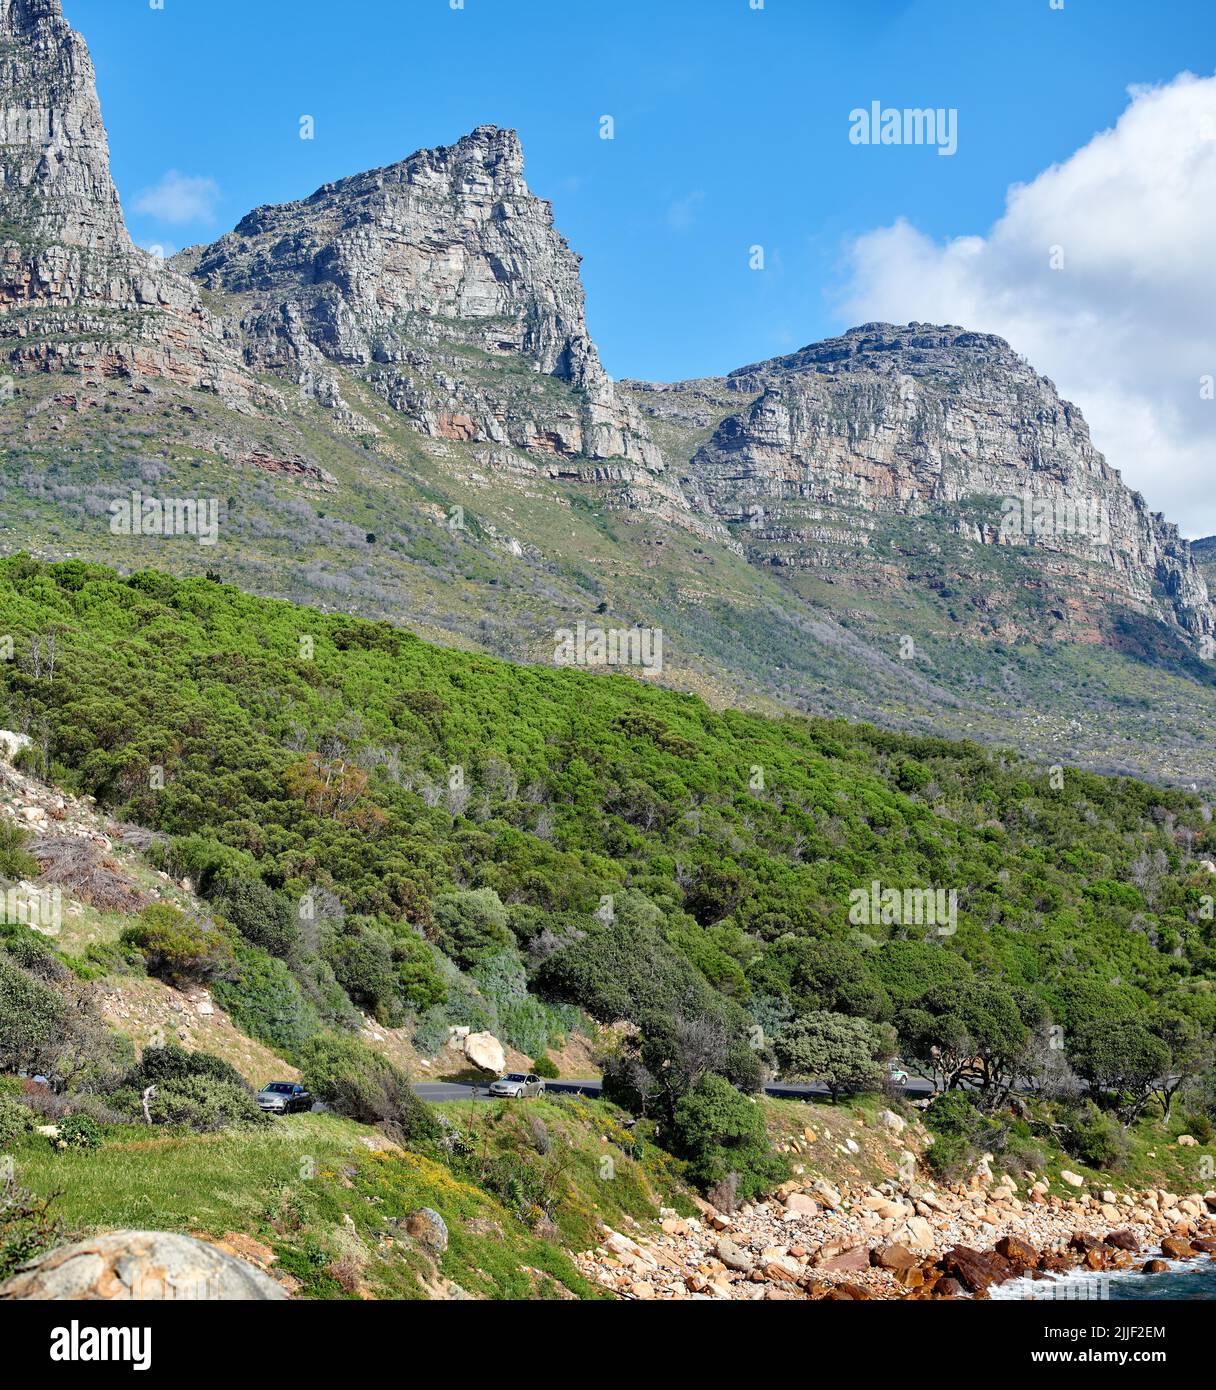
point(399, 272)
point(54, 158)
point(75, 293)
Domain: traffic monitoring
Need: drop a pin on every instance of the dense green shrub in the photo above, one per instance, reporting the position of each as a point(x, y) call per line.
point(33, 1019)
point(472, 924)
point(1096, 1139)
point(431, 1032)
point(621, 970)
point(195, 1089)
point(33, 952)
point(204, 1103)
point(177, 947)
point(545, 1067)
point(363, 1085)
point(961, 1133)
point(160, 1065)
point(950, 1156)
point(16, 862)
point(266, 1000)
point(362, 962)
point(846, 1054)
point(420, 981)
point(720, 1131)
point(77, 1132)
point(258, 913)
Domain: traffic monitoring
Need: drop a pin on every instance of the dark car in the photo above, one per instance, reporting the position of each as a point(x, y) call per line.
point(284, 1097)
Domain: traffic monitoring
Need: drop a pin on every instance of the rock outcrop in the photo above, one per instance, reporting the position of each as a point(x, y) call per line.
point(894, 441)
point(442, 282)
point(140, 1266)
point(75, 293)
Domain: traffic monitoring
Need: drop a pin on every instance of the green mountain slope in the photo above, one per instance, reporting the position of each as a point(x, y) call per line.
point(322, 754)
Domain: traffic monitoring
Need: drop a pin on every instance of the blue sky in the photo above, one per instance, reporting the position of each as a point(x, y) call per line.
point(731, 128)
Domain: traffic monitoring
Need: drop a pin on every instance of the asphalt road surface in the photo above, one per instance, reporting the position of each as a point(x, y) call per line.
point(916, 1089)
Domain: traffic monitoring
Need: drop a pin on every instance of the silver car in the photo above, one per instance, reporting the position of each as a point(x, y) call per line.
point(284, 1098)
point(517, 1086)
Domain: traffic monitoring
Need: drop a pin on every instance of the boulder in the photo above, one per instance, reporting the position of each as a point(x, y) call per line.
point(897, 1258)
point(485, 1051)
point(1123, 1240)
point(892, 1121)
point(976, 1269)
point(1017, 1252)
point(141, 1266)
point(428, 1228)
point(1187, 1141)
point(948, 1288)
point(1154, 1267)
point(802, 1204)
point(847, 1261)
point(826, 1193)
point(915, 1232)
point(1176, 1247)
point(1072, 1179)
point(734, 1258)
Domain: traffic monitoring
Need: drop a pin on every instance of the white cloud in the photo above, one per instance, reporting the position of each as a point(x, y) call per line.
point(180, 198)
point(1126, 328)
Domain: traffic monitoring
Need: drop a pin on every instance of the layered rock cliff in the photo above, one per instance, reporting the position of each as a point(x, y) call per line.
point(913, 434)
point(442, 282)
point(75, 293)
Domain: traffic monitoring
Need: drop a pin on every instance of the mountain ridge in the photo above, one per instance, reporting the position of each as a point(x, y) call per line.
point(389, 392)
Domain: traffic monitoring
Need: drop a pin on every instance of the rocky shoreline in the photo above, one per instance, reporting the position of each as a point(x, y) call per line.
point(817, 1241)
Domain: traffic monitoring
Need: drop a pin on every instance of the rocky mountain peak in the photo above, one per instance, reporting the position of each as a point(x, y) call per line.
point(441, 282)
point(881, 451)
point(75, 293)
point(54, 157)
point(916, 349)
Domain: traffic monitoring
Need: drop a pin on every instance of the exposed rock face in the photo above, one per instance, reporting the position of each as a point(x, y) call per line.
point(140, 1266)
point(443, 282)
point(829, 447)
point(75, 293)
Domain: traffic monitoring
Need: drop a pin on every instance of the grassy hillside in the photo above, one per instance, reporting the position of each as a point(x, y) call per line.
point(345, 821)
point(328, 1198)
point(323, 754)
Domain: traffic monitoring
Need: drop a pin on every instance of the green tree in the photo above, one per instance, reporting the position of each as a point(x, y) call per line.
point(844, 1053)
point(472, 924)
point(1122, 1060)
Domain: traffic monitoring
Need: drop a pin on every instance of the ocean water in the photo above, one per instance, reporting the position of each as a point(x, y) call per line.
point(1185, 1281)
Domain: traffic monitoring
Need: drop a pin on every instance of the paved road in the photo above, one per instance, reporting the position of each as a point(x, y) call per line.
point(916, 1089)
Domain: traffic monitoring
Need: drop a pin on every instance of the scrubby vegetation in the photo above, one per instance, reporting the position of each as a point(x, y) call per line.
point(435, 839)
